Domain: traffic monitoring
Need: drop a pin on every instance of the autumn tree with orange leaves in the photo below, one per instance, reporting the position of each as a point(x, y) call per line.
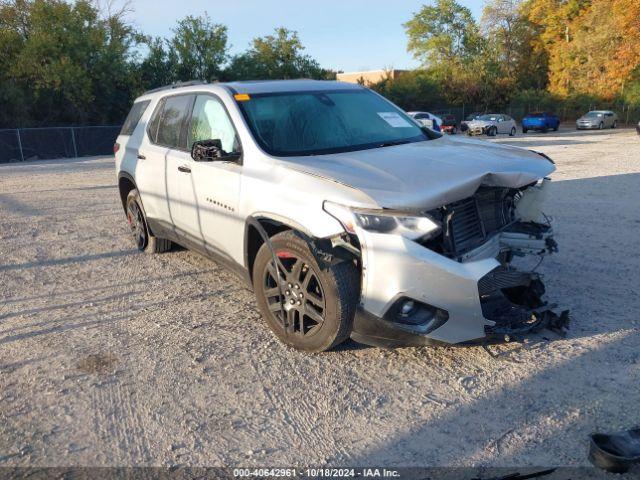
point(593, 46)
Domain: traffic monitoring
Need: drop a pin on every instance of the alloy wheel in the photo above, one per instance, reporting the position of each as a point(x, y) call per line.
point(136, 223)
point(299, 302)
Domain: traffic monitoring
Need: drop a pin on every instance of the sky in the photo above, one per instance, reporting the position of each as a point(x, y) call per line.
point(348, 35)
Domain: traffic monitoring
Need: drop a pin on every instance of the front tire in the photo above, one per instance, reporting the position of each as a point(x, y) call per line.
point(318, 304)
point(601, 126)
point(142, 236)
point(492, 132)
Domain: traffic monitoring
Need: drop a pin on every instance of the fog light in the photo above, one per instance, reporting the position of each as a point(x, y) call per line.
point(407, 308)
point(419, 316)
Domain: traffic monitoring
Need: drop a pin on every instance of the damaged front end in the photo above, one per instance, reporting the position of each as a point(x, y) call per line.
point(513, 301)
point(504, 223)
point(461, 285)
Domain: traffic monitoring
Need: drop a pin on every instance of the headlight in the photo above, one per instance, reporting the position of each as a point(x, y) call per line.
point(384, 221)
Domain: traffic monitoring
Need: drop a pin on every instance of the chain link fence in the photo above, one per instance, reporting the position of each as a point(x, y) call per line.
point(21, 144)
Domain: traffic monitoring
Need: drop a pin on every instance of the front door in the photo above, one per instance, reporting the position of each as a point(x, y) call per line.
point(212, 188)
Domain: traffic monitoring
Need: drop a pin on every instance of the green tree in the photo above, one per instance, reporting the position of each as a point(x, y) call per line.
point(443, 33)
point(200, 48)
point(513, 45)
point(63, 63)
point(277, 56)
point(158, 68)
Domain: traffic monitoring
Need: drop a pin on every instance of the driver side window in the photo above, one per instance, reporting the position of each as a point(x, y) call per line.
point(210, 121)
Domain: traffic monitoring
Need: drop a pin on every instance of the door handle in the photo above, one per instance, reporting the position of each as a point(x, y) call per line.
point(141, 157)
point(184, 168)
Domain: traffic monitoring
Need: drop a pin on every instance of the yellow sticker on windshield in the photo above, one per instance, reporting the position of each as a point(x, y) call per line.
point(242, 97)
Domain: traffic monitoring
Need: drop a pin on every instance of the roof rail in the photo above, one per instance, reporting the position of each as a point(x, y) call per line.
point(188, 83)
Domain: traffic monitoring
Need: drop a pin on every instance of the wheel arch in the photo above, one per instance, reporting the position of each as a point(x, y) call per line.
point(253, 240)
point(126, 183)
point(272, 225)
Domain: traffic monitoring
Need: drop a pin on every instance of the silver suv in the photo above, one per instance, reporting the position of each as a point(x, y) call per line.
point(346, 217)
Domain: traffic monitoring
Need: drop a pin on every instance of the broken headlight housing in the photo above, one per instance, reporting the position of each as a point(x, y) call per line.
point(408, 225)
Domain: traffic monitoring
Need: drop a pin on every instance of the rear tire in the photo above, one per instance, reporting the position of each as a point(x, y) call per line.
point(142, 236)
point(512, 133)
point(615, 124)
point(524, 130)
point(319, 304)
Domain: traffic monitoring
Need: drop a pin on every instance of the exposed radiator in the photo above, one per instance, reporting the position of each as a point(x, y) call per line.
point(472, 220)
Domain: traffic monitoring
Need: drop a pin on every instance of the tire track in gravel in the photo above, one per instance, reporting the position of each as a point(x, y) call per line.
point(118, 424)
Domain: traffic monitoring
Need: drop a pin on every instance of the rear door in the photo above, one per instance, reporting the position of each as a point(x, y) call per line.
point(176, 176)
point(149, 168)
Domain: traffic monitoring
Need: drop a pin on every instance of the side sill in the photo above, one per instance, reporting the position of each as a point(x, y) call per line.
point(164, 230)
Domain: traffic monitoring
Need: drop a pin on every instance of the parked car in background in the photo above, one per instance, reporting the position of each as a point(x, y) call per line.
point(464, 125)
point(597, 119)
point(427, 119)
point(541, 121)
point(449, 124)
point(491, 124)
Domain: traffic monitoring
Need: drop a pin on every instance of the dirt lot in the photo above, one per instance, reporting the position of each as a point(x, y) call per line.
point(112, 357)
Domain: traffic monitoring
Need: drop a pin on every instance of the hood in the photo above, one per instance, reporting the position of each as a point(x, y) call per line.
point(425, 175)
point(480, 123)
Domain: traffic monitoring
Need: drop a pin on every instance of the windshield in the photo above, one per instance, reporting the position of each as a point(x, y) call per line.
point(593, 114)
point(313, 123)
point(488, 117)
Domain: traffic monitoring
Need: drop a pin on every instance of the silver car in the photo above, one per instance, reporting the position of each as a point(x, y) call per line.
point(491, 124)
point(597, 120)
point(345, 217)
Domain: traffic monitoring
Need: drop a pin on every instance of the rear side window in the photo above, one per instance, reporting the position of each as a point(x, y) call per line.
point(172, 121)
point(152, 129)
point(135, 114)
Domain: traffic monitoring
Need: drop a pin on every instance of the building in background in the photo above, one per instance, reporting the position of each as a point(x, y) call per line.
point(368, 77)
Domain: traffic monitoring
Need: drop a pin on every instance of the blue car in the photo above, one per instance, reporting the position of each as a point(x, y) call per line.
point(542, 121)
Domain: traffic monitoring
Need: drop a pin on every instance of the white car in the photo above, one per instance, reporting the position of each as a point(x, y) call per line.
point(427, 119)
point(343, 216)
point(491, 124)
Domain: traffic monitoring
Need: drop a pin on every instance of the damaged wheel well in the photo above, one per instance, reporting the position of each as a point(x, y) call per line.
point(326, 251)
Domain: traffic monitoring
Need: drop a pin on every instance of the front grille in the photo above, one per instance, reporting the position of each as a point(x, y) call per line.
point(469, 222)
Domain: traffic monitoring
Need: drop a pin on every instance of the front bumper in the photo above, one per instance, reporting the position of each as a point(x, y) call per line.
point(396, 269)
point(475, 130)
point(587, 126)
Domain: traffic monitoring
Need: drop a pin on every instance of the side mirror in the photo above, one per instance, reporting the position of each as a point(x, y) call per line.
point(207, 150)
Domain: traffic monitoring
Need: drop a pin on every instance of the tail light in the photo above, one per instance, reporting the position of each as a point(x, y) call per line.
point(116, 147)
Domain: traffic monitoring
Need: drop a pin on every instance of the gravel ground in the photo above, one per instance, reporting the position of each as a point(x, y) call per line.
point(112, 357)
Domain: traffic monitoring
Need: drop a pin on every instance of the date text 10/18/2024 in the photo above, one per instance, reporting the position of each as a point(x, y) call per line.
point(315, 473)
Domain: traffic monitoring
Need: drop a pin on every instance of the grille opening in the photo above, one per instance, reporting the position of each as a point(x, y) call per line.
point(468, 223)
